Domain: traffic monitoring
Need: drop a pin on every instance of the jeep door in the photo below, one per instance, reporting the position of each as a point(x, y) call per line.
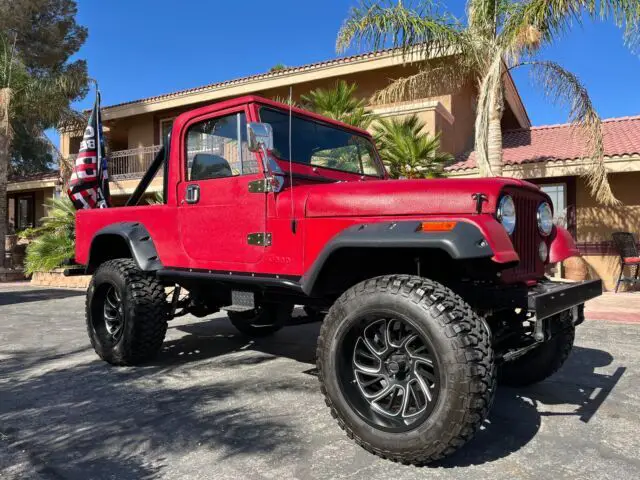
point(216, 210)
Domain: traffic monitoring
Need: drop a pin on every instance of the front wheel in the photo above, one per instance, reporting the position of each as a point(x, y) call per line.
point(126, 313)
point(406, 367)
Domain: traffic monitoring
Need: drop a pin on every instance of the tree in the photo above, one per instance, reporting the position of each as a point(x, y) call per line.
point(278, 67)
point(407, 151)
point(340, 104)
point(499, 36)
point(36, 85)
point(45, 34)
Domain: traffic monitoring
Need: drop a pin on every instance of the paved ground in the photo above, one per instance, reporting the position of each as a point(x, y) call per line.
point(216, 406)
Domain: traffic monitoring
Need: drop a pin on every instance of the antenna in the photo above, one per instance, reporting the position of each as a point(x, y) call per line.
point(293, 220)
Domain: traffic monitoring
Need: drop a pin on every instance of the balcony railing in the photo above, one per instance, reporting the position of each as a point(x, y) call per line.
point(131, 163)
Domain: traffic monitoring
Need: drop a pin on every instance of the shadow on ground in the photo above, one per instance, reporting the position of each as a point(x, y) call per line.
point(516, 413)
point(89, 420)
point(36, 295)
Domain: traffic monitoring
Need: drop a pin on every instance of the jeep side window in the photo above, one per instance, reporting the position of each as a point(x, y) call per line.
point(321, 145)
point(212, 148)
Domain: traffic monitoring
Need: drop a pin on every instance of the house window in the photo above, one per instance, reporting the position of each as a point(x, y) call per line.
point(558, 194)
point(165, 127)
point(25, 212)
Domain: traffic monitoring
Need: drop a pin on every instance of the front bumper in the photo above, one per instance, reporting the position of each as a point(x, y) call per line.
point(550, 298)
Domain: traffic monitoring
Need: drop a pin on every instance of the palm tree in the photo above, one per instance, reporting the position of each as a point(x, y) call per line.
point(407, 151)
point(340, 104)
point(499, 36)
point(54, 241)
point(33, 100)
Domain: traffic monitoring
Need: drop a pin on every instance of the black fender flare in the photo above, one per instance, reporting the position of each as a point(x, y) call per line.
point(464, 241)
point(137, 238)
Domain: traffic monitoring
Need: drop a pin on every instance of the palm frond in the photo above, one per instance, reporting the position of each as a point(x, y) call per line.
point(564, 88)
point(47, 252)
point(285, 100)
point(407, 151)
point(54, 241)
point(418, 32)
point(340, 103)
point(447, 74)
point(551, 18)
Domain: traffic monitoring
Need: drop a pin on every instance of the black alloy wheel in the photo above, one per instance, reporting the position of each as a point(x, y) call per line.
point(389, 372)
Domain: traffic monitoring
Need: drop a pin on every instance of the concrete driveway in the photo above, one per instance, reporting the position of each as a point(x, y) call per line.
point(215, 405)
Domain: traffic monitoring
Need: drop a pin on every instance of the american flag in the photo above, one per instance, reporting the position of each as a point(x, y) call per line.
point(89, 183)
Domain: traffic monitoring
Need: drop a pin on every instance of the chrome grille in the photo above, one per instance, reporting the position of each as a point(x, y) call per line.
point(526, 237)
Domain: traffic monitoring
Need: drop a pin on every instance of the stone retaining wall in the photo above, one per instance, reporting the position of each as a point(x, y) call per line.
point(10, 275)
point(56, 278)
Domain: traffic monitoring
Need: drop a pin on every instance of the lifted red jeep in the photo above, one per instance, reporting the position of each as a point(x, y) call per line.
point(434, 288)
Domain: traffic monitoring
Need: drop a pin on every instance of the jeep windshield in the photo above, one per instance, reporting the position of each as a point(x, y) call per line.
point(318, 144)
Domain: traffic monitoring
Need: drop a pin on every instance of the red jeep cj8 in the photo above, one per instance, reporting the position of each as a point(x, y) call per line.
point(430, 291)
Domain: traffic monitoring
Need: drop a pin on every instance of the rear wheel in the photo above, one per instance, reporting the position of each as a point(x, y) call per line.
point(126, 313)
point(262, 321)
point(545, 360)
point(406, 367)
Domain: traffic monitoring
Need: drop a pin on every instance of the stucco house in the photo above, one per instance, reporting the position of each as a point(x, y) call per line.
point(551, 156)
point(26, 196)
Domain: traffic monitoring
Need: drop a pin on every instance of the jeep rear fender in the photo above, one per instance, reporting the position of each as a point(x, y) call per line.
point(124, 239)
point(466, 240)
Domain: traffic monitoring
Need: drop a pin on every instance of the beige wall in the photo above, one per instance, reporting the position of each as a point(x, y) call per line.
point(597, 222)
point(140, 132)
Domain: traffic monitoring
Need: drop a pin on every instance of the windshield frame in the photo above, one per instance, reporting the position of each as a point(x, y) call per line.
point(365, 136)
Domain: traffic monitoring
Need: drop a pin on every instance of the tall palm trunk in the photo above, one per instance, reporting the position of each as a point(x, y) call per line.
point(494, 138)
point(5, 140)
point(488, 135)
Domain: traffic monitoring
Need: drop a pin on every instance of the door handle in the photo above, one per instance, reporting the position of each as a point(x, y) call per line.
point(192, 195)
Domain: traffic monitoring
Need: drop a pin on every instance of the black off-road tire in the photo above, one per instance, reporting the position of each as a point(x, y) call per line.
point(263, 321)
point(145, 312)
point(462, 344)
point(543, 361)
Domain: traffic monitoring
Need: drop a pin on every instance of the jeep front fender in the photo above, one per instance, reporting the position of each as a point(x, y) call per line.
point(466, 240)
point(561, 245)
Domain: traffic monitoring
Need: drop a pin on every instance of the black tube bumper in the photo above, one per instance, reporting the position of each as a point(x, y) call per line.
point(549, 298)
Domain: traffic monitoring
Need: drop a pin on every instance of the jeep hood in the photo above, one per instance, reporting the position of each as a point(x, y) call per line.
point(405, 197)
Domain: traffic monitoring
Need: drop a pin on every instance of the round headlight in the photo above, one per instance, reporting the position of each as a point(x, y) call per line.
point(545, 219)
point(507, 213)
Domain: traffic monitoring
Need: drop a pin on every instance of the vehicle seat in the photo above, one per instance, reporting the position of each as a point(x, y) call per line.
point(207, 165)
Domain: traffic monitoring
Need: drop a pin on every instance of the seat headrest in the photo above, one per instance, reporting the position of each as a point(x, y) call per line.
point(207, 165)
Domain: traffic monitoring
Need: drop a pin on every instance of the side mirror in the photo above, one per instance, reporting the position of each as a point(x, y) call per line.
point(260, 136)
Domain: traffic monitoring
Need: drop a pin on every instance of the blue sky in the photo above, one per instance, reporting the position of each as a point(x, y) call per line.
point(142, 48)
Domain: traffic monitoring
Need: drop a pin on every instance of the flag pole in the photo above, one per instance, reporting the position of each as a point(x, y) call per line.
point(98, 137)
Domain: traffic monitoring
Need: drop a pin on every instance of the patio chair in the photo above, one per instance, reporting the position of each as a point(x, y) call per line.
point(625, 243)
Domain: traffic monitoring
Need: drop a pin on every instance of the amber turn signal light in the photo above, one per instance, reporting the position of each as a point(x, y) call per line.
point(436, 226)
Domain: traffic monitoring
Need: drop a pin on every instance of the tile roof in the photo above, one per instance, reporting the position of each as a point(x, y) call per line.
point(264, 75)
point(560, 142)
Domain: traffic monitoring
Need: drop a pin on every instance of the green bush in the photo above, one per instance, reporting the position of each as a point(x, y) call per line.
point(54, 241)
